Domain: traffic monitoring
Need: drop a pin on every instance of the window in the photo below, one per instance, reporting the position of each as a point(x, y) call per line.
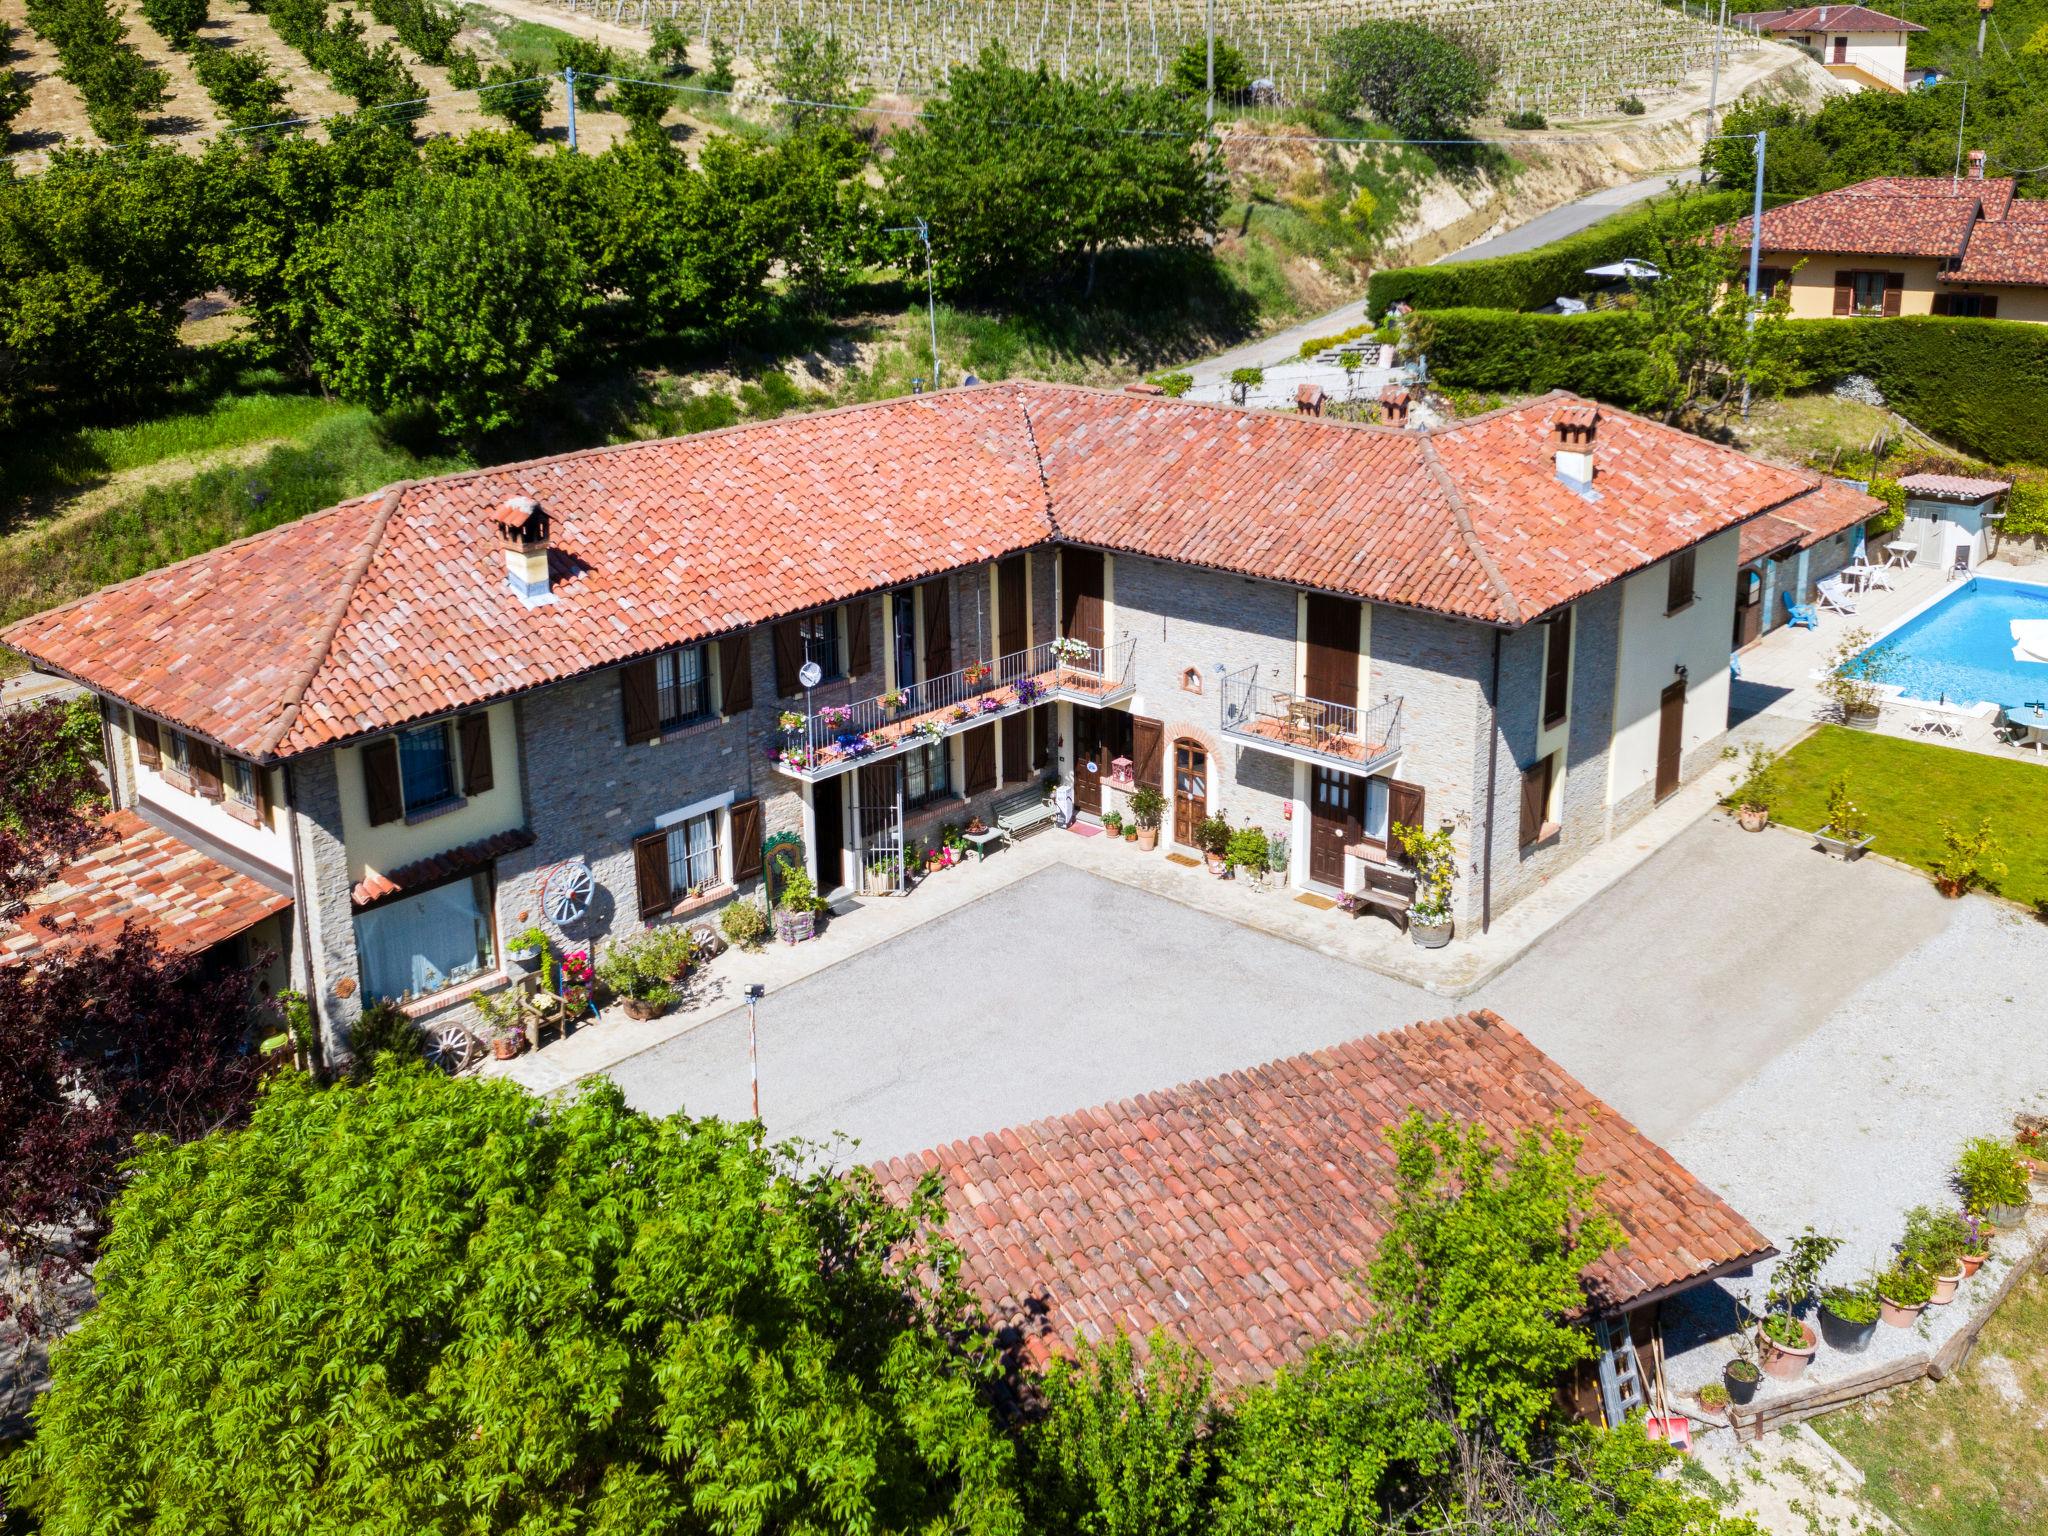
point(1967, 306)
point(1377, 801)
point(426, 768)
point(1770, 279)
point(820, 632)
point(927, 774)
point(425, 942)
point(693, 853)
point(1537, 781)
point(1679, 570)
point(903, 639)
point(240, 779)
point(682, 687)
point(178, 754)
point(1557, 668)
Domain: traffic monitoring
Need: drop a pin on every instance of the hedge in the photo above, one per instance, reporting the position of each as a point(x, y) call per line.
point(1979, 384)
point(1534, 278)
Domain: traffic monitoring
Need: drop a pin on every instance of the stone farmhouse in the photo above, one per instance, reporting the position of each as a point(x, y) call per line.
point(368, 739)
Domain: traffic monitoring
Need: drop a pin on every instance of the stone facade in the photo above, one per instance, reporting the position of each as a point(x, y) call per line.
point(327, 969)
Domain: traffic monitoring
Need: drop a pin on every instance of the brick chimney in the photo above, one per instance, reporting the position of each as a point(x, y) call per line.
point(1571, 437)
point(1976, 165)
point(1394, 406)
point(523, 531)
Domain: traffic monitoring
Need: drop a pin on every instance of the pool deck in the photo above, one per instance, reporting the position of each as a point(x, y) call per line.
point(1780, 671)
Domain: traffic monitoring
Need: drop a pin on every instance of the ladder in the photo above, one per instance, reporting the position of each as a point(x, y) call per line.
point(1622, 1390)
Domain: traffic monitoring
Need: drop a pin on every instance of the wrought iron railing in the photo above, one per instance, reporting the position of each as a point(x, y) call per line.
point(835, 734)
point(1288, 718)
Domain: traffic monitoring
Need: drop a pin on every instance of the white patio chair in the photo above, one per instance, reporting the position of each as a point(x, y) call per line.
point(1939, 725)
point(1875, 576)
point(1835, 597)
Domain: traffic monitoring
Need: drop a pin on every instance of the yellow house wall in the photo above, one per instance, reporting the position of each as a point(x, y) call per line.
point(398, 843)
point(1813, 286)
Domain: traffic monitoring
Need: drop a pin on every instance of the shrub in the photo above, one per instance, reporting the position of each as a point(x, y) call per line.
point(240, 84)
point(1212, 835)
point(177, 22)
point(1989, 1173)
point(1631, 106)
point(589, 59)
point(1525, 119)
point(1759, 786)
point(744, 925)
point(383, 1029)
point(1968, 857)
point(648, 966)
point(1933, 1239)
point(1175, 384)
point(464, 72)
point(1247, 850)
point(519, 96)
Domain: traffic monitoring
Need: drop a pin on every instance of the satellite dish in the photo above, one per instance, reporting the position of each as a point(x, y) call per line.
point(810, 674)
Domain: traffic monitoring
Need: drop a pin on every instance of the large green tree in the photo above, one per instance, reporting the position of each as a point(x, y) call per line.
point(419, 1304)
point(1423, 81)
point(1027, 177)
point(813, 77)
point(457, 296)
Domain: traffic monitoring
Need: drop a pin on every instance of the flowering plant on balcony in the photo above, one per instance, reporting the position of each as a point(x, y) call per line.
point(893, 699)
point(836, 717)
point(930, 728)
point(991, 705)
point(790, 720)
point(1070, 651)
point(958, 712)
point(1028, 690)
point(576, 970)
point(854, 744)
point(975, 673)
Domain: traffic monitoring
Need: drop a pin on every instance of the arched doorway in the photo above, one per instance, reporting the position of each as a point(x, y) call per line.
point(1190, 790)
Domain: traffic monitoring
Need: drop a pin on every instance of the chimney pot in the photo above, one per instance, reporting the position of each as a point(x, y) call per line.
point(1394, 406)
point(1976, 165)
point(523, 533)
point(1571, 439)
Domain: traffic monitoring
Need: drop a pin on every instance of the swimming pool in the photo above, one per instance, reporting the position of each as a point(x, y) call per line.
point(1961, 649)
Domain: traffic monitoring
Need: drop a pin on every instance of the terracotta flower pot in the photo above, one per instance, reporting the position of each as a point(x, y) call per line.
point(1215, 863)
point(638, 1008)
point(506, 1047)
point(1752, 818)
point(1782, 1362)
point(1897, 1314)
point(1971, 1262)
point(1945, 1288)
point(1148, 839)
point(1952, 889)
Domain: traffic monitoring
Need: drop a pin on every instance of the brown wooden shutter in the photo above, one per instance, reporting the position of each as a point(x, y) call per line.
point(1987, 307)
point(1557, 660)
point(938, 629)
point(1894, 292)
point(205, 762)
point(474, 732)
point(1845, 293)
point(1148, 751)
point(1535, 800)
point(746, 837)
point(1081, 588)
point(1333, 649)
point(148, 750)
point(1404, 804)
point(1013, 621)
point(789, 657)
point(1016, 749)
point(735, 674)
point(642, 700)
point(981, 758)
point(650, 874)
point(860, 654)
point(1041, 736)
point(380, 781)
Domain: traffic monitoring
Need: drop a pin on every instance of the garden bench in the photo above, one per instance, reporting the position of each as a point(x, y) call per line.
point(1387, 890)
point(1021, 812)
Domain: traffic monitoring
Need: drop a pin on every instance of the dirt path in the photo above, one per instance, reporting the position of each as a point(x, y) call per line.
point(189, 110)
point(308, 93)
point(55, 110)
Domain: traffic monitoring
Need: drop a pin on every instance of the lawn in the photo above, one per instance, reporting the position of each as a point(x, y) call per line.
point(1967, 1456)
point(1907, 787)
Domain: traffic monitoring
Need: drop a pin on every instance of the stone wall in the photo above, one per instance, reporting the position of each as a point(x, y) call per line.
point(327, 970)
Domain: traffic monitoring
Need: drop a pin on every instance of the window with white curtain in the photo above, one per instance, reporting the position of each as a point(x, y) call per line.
point(1376, 802)
point(425, 942)
point(693, 853)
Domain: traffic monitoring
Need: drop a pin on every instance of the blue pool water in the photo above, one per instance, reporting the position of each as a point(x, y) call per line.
point(1961, 648)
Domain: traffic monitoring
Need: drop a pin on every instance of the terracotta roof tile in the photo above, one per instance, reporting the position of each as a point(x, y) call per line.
point(1252, 1200)
point(374, 887)
point(1827, 18)
point(1955, 487)
point(141, 871)
point(1891, 216)
point(2012, 249)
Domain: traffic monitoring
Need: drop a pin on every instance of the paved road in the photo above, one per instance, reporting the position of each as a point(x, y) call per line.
point(1571, 217)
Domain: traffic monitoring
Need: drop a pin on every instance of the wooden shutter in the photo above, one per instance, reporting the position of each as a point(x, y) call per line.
point(1987, 307)
point(1404, 804)
point(1333, 649)
point(650, 874)
point(380, 781)
point(1679, 589)
point(938, 630)
point(641, 699)
point(1016, 749)
point(735, 674)
point(746, 837)
point(205, 762)
point(1557, 661)
point(1081, 585)
point(1013, 621)
point(1148, 751)
point(148, 750)
point(474, 732)
point(859, 646)
point(1041, 736)
point(981, 758)
point(789, 657)
point(1845, 293)
point(1894, 292)
point(1535, 800)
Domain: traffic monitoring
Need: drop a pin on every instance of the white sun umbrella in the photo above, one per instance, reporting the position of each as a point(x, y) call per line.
point(1629, 267)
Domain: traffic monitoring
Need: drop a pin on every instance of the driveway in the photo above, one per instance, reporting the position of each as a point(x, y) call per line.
point(1570, 218)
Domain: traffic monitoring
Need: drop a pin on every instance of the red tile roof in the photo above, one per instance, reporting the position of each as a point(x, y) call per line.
point(421, 873)
point(1237, 1212)
point(2012, 249)
point(395, 607)
point(1890, 216)
point(1767, 535)
point(1827, 18)
point(1955, 487)
point(138, 870)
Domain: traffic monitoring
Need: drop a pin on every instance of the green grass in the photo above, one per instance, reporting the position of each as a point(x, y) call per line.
point(1967, 1456)
point(1907, 787)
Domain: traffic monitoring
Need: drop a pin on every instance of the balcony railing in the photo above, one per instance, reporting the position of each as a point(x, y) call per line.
point(1313, 730)
point(836, 737)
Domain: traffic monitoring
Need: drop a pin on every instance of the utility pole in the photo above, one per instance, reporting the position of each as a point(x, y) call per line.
point(1756, 247)
point(1983, 21)
point(754, 991)
point(923, 231)
point(1956, 173)
point(569, 81)
point(1210, 28)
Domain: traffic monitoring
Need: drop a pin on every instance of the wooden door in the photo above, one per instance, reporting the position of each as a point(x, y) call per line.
point(1749, 605)
point(828, 818)
point(1190, 791)
point(1088, 760)
point(1336, 820)
point(1670, 737)
point(1332, 671)
point(1081, 594)
point(1841, 50)
point(1012, 619)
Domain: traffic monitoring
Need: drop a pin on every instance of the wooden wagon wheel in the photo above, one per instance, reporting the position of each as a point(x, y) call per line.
point(452, 1048)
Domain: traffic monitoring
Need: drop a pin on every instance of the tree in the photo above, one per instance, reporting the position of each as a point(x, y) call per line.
point(1028, 178)
point(719, 77)
point(813, 72)
point(455, 295)
point(50, 790)
point(176, 21)
point(240, 84)
point(818, 215)
point(100, 1044)
point(1190, 72)
point(1424, 82)
point(1121, 1449)
point(518, 95)
point(422, 1304)
point(13, 88)
point(591, 60)
point(668, 49)
point(644, 102)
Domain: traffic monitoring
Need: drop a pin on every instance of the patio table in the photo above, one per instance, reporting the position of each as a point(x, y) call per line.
point(981, 840)
point(2032, 719)
point(1900, 552)
point(1858, 576)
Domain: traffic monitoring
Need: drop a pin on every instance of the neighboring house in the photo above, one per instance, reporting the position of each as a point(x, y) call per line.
point(1909, 245)
point(1793, 550)
point(1854, 43)
point(419, 705)
point(1946, 513)
point(1241, 1212)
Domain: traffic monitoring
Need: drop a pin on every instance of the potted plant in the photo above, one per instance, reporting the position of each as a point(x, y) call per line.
point(1246, 853)
point(798, 905)
point(646, 972)
point(1992, 1181)
point(1435, 864)
point(1755, 792)
point(1276, 858)
point(1212, 836)
point(1742, 1375)
point(1131, 833)
point(744, 924)
point(1147, 806)
point(892, 700)
point(1848, 1315)
point(1113, 824)
point(2032, 1149)
point(1847, 831)
point(526, 949)
point(1785, 1341)
point(1853, 679)
point(1967, 858)
point(1070, 651)
point(1713, 1397)
point(499, 1012)
point(1978, 1248)
point(1934, 1242)
point(1902, 1294)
